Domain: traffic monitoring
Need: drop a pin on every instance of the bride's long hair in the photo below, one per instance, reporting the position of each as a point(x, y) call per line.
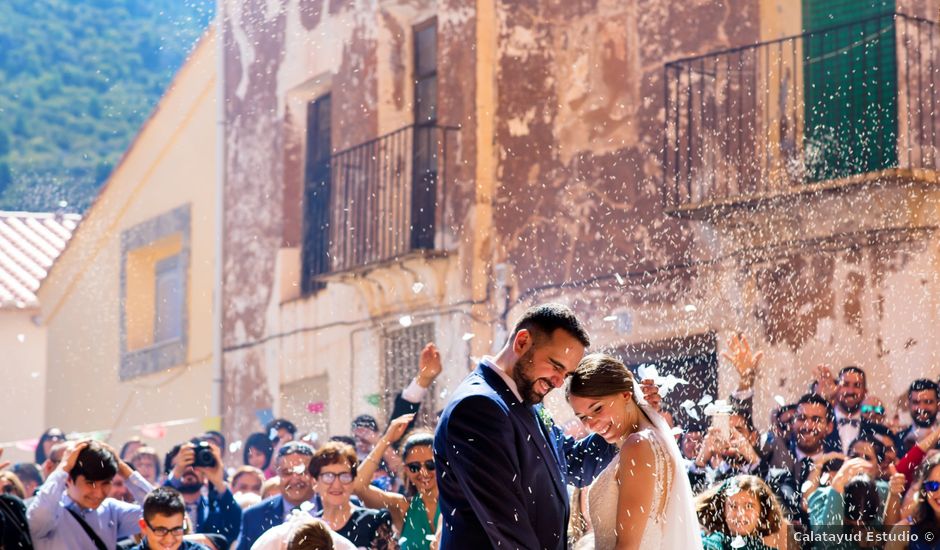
point(600, 375)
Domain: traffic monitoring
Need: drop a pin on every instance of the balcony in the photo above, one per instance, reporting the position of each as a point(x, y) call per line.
point(375, 202)
point(843, 108)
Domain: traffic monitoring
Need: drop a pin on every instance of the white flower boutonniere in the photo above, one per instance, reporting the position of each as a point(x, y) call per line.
point(546, 418)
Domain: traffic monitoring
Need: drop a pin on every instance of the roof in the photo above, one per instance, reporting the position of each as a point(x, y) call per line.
point(29, 244)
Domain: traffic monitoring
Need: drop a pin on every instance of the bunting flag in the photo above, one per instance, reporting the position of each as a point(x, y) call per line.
point(153, 431)
point(27, 445)
point(212, 423)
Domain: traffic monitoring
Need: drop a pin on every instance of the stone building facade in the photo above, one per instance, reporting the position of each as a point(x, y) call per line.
point(399, 170)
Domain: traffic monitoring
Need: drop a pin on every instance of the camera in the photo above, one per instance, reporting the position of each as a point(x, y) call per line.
point(204, 457)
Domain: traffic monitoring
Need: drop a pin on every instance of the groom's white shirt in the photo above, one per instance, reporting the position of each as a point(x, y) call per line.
point(488, 361)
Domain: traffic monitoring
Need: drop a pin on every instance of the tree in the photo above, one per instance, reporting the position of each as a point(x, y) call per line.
point(4, 143)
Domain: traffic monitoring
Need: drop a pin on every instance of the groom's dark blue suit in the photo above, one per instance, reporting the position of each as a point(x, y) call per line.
point(502, 473)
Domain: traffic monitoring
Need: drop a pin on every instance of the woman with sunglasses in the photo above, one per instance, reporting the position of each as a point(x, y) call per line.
point(922, 530)
point(414, 514)
point(48, 438)
point(334, 469)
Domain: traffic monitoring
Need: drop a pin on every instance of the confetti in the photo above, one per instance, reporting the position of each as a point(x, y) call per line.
point(467, 336)
point(374, 399)
point(417, 287)
point(405, 321)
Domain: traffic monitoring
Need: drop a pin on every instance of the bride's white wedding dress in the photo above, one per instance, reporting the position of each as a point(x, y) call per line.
point(671, 522)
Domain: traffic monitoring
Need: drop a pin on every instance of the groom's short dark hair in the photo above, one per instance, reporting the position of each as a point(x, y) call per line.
point(544, 319)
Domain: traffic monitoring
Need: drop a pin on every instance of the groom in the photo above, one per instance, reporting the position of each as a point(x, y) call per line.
point(502, 465)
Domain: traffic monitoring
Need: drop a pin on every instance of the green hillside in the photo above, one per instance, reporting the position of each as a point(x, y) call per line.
point(77, 79)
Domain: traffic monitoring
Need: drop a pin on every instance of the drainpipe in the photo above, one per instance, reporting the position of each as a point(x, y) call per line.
point(216, 392)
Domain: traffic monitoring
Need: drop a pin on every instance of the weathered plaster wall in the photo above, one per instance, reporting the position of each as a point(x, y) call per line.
point(580, 136)
point(279, 56)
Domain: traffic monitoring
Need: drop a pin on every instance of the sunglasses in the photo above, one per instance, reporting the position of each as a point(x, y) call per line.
point(415, 467)
point(877, 409)
point(164, 531)
point(328, 477)
point(932, 486)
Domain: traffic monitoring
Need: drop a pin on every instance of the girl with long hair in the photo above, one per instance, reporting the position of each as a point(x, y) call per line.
point(415, 514)
point(741, 513)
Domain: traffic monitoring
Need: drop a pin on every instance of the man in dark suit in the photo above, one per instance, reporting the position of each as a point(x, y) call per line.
point(922, 401)
point(292, 466)
point(502, 465)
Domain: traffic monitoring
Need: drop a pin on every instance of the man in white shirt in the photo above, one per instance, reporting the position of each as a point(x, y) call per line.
point(851, 388)
point(72, 510)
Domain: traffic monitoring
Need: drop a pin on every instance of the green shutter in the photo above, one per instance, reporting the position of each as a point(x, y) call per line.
point(850, 93)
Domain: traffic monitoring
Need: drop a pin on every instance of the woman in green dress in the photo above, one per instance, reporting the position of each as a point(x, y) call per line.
point(741, 514)
point(415, 514)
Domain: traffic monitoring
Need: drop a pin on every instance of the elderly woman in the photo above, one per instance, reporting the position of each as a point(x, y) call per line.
point(334, 468)
point(147, 462)
point(415, 514)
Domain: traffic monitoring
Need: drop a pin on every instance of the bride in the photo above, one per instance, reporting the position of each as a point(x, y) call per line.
point(643, 498)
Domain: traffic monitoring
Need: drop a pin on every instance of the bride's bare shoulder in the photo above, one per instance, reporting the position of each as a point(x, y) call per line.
point(637, 451)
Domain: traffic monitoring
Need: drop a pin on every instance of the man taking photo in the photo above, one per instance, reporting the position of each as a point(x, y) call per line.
point(197, 465)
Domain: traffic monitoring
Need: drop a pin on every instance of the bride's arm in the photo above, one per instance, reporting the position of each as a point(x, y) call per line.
point(636, 478)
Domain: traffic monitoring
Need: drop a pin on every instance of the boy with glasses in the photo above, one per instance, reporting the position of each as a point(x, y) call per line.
point(164, 522)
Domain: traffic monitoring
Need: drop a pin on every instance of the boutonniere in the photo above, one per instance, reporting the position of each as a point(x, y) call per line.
point(546, 418)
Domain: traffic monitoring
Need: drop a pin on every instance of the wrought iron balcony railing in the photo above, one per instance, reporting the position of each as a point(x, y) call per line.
point(777, 117)
point(375, 201)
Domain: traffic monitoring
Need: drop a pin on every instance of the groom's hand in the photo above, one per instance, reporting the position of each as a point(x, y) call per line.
point(651, 393)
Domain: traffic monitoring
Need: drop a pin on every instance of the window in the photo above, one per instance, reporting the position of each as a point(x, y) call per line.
point(153, 315)
point(850, 105)
point(426, 72)
point(168, 322)
point(317, 193)
point(402, 350)
point(426, 136)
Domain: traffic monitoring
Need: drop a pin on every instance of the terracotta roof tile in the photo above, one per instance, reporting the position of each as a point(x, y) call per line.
point(29, 243)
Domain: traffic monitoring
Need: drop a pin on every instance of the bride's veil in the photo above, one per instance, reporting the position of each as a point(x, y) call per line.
point(681, 529)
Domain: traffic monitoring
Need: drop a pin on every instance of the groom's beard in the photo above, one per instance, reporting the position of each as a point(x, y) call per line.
point(521, 375)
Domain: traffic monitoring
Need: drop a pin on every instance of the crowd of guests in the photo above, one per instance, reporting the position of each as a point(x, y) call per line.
point(369, 489)
point(835, 470)
point(836, 461)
